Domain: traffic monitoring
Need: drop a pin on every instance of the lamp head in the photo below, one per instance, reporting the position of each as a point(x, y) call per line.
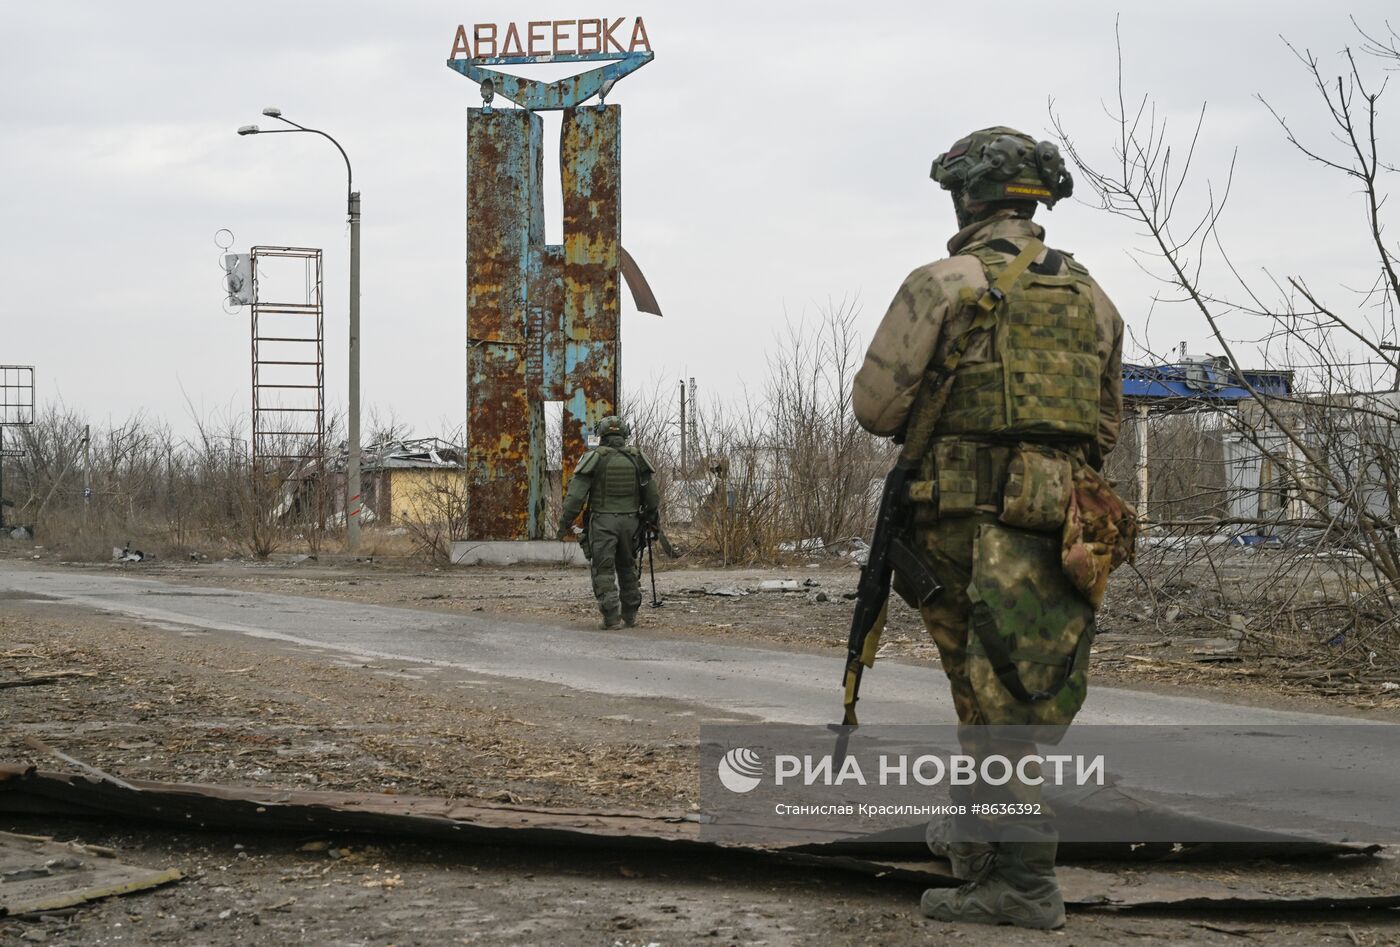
point(272, 112)
point(249, 130)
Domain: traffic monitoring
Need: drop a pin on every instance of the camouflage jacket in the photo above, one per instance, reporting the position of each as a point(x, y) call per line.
point(924, 320)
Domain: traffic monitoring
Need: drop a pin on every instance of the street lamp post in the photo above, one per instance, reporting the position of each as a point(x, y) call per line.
point(353, 505)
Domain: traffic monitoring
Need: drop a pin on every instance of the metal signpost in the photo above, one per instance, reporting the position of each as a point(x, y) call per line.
point(542, 319)
point(16, 410)
point(288, 362)
point(289, 368)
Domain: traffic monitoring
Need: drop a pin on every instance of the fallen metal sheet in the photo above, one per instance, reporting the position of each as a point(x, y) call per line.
point(1157, 889)
point(38, 874)
point(26, 790)
point(642, 296)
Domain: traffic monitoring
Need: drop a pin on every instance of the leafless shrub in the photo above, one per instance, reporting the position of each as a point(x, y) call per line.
point(787, 468)
point(155, 491)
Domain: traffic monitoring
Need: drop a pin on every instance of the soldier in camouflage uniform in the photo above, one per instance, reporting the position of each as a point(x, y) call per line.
point(1036, 395)
point(615, 481)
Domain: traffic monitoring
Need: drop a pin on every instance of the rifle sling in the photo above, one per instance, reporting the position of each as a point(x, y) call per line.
point(1004, 666)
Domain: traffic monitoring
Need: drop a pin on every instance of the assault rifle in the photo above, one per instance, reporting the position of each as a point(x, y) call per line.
point(890, 555)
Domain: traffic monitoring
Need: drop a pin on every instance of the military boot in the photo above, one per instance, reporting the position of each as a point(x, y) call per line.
point(611, 620)
point(629, 618)
point(965, 858)
point(1017, 886)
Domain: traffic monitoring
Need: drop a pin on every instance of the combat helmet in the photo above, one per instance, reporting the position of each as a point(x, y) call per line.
point(611, 426)
point(1002, 164)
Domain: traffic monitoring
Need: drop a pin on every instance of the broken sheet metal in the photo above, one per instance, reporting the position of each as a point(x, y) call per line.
point(637, 284)
point(25, 790)
point(38, 874)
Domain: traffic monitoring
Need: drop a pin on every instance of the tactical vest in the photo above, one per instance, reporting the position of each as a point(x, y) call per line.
point(1042, 381)
point(616, 482)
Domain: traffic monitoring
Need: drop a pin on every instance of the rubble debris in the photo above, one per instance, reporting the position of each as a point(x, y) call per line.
point(779, 585)
point(38, 680)
point(127, 554)
point(34, 743)
point(22, 533)
point(727, 591)
point(38, 874)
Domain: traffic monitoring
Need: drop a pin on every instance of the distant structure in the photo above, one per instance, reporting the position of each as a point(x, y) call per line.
point(1195, 384)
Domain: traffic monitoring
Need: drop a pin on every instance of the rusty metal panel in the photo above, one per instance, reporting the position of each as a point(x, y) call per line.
point(502, 424)
point(592, 372)
point(505, 215)
point(505, 219)
point(591, 165)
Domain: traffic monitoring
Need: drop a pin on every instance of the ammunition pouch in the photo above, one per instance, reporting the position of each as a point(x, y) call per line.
point(1037, 491)
point(1099, 535)
point(955, 471)
point(1027, 485)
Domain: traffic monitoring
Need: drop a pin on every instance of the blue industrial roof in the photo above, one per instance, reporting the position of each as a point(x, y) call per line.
point(1200, 380)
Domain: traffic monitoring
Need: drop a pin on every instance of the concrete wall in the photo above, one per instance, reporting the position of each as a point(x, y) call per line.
point(422, 493)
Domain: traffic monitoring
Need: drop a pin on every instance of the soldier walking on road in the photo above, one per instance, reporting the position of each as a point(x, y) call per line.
point(615, 482)
point(1033, 348)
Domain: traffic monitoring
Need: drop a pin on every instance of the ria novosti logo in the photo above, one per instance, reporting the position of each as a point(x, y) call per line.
point(740, 769)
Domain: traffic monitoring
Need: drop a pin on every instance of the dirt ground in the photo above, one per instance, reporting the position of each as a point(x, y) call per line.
point(153, 703)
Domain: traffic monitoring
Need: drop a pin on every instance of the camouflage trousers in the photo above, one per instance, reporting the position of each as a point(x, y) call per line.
point(612, 539)
point(1012, 578)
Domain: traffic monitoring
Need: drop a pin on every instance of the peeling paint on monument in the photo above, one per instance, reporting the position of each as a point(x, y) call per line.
point(542, 320)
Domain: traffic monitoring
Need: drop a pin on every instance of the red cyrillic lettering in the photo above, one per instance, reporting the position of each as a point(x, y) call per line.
point(530, 32)
point(608, 38)
point(485, 42)
point(591, 30)
point(639, 37)
point(512, 34)
point(460, 44)
point(560, 26)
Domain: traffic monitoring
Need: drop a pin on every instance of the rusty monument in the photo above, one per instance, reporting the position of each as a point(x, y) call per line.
point(542, 319)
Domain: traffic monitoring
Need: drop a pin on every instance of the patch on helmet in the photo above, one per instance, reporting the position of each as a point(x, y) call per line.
point(1028, 190)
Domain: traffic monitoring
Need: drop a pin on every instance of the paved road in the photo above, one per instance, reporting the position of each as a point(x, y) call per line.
point(1303, 763)
point(772, 685)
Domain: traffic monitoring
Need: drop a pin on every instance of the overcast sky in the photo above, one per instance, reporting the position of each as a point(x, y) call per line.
point(775, 156)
